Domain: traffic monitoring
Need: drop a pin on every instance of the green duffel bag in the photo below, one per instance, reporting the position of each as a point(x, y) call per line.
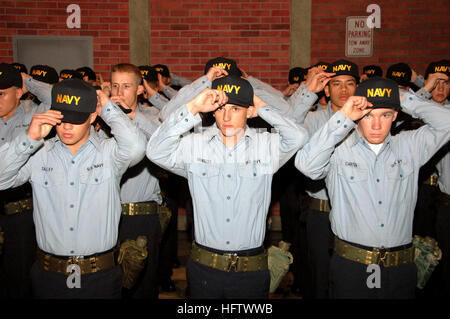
point(426, 257)
point(279, 259)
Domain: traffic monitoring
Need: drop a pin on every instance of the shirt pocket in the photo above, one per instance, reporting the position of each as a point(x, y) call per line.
point(205, 171)
point(48, 179)
point(353, 174)
point(254, 171)
point(96, 176)
point(401, 170)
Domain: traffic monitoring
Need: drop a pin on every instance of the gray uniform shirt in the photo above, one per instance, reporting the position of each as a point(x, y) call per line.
point(138, 183)
point(373, 196)
point(76, 203)
point(230, 187)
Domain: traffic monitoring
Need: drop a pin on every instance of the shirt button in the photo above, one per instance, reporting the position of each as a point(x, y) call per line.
point(186, 120)
point(228, 220)
point(24, 143)
point(71, 251)
point(31, 147)
point(379, 202)
point(72, 183)
point(338, 121)
point(71, 228)
point(378, 180)
point(228, 242)
point(96, 180)
point(382, 225)
point(351, 177)
point(108, 109)
point(345, 125)
point(45, 183)
point(228, 197)
point(71, 206)
point(230, 155)
point(204, 174)
point(181, 114)
point(229, 176)
point(401, 175)
point(73, 162)
point(254, 174)
point(3, 138)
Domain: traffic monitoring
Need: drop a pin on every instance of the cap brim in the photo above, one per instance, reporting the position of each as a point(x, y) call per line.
point(239, 102)
point(355, 76)
point(73, 116)
point(4, 85)
point(384, 105)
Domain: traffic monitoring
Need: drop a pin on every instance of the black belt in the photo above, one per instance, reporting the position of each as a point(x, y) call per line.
point(242, 253)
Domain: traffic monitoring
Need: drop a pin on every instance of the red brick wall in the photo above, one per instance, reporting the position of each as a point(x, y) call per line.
point(105, 20)
point(412, 31)
point(186, 34)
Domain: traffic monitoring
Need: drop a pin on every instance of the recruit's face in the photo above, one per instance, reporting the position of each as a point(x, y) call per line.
point(340, 88)
point(74, 135)
point(232, 120)
point(126, 86)
point(9, 100)
point(441, 91)
point(376, 124)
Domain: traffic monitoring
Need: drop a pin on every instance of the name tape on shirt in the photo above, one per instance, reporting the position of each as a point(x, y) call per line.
point(229, 88)
point(67, 99)
point(378, 92)
point(342, 67)
point(39, 72)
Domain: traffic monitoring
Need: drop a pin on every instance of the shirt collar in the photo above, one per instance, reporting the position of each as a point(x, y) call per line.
point(18, 113)
point(93, 138)
point(356, 138)
point(213, 131)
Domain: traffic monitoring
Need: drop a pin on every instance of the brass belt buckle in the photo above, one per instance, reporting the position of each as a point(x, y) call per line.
point(382, 253)
point(77, 259)
point(233, 260)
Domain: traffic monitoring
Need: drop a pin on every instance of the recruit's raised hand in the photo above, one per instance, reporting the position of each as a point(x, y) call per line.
point(290, 89)
point(208, 100)
point(42, 123)
point(257, 103)
point(317, 79)
point(149, 91)
point(356, 107)
point(433, 79)
point(216, 72)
